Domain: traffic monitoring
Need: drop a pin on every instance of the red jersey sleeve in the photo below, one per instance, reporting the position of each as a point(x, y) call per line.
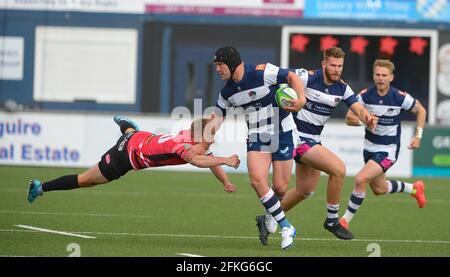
point(182, 149)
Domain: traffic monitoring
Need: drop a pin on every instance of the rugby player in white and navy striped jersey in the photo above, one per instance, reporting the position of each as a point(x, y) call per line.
point(270, 129)
point(382, 145)
point(324, 90)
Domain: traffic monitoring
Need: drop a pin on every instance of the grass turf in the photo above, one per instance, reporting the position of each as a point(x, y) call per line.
point(161, 214)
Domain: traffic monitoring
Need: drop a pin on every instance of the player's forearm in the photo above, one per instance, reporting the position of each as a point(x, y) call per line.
point(421, 117)
point(361, 113)
point(295, 83)
point(207, 161)
point(220, 174)
point(351, 119)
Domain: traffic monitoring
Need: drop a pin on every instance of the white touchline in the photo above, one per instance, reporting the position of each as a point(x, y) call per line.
point(54, 232)
point(189, 255)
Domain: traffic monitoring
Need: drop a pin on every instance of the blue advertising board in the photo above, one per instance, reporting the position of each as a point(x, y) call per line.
point(404, 10)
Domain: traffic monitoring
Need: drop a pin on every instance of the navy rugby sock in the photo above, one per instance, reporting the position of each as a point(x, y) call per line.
point(332, 214)
point(62, 183)
point(124, 125)
point(272, 205)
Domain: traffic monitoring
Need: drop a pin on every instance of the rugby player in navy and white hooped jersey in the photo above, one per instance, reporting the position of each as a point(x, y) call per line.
point(270, 129)
point(382, 145)
point(324, 90)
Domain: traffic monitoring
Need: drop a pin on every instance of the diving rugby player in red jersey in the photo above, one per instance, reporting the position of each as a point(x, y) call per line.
point(138, 150)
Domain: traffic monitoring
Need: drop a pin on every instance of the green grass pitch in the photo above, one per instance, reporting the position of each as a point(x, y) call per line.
point(165, 214)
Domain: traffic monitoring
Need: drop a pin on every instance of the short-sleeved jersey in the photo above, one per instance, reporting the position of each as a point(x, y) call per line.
point(255, 93)
point(321, 100)
point(386, 136)
point(148, 150)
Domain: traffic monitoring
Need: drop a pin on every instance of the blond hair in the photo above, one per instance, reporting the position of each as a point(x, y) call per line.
point(197, 128)
point(384, 63)
point(334, 52)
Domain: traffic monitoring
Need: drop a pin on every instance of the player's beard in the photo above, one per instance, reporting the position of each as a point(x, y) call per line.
point(330, 77)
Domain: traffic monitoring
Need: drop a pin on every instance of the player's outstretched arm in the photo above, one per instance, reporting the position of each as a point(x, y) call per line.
point(223, 177)
point(352, 119)
point(364, 116)
point(204, 161)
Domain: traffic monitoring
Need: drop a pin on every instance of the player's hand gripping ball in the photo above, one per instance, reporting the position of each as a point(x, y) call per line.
point(283, 95)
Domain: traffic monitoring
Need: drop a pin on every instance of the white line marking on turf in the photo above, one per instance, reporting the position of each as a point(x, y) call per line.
point(214, 195)
point(189, 255)
point(243, 237)
point(76, 214)
point(16, 256)
point(54, 232)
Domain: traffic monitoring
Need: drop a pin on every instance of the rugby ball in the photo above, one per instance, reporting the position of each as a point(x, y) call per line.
point(283, 94)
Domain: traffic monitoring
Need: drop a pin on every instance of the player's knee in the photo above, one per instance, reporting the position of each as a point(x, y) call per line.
point(280, 191)
point(338, 170)
point(377, 191)
point(280, 188)
point(257, 183)
point(83, 180)
point(304, 193)
point(341, 171)
point(360, 180)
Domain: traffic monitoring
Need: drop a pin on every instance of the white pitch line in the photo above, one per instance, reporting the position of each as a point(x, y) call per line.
point(54, 232)
point(76, 214)
point(16, 256)
point(189, 255)
point(247, 237)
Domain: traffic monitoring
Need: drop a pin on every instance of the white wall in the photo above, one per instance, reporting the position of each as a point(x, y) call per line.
point(89, 64)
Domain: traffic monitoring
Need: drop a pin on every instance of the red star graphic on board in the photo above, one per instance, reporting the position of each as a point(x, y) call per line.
point(417, 45)
point(358, 45)
point(327, 42)
point(299, 42)
point(387, 45)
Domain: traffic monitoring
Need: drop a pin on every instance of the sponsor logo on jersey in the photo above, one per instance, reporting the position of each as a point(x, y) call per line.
point(316, 95)
point(363, 91)
point(260, 67)
point(402, 93)
point(284, 150)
